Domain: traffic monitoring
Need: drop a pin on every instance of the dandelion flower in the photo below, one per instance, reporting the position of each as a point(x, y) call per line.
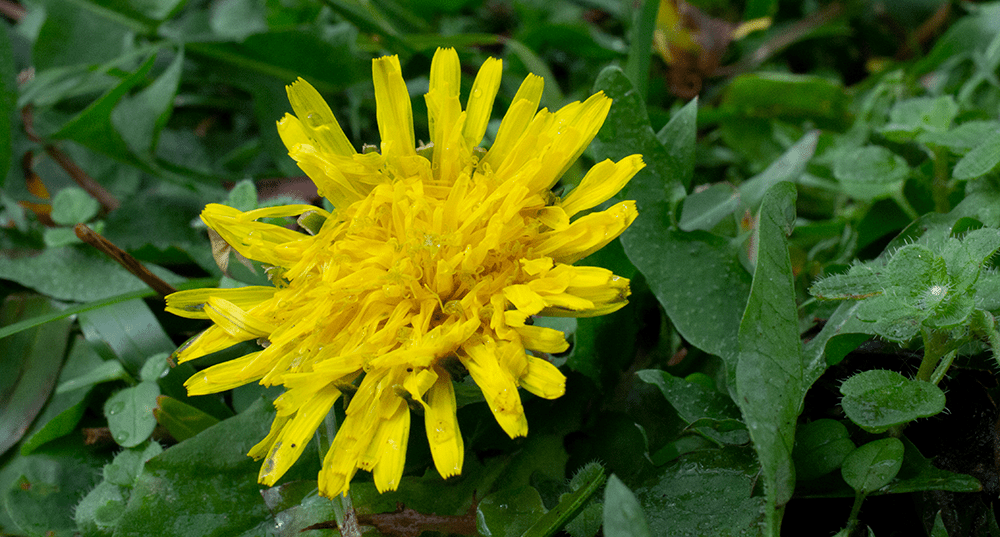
point(433, 256)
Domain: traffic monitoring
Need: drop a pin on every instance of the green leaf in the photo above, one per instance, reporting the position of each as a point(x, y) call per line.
point(981, 160)
point(878, 399)
point(789, 167)
point(72, 34)
point(93, 128)
point(8, 100)
point(208, 479)
point(769, 370)
point(788, 96)
point(584, 484)
point(679, 137)
point(130, 413)
point(104, 371)
point(695, 402)
point(141, 117)
point(100, 509)
point(509, 512)
point(919, 474)
point(64, 410)
point(130, 330)
point(45, 486)
point(871, 172)
point(910, 117)
point(182, 421)
point(861, 281)
point(72, 205)
point(706, 208)
point(76, 273)
point(623, 516)
point(627, 131)
point(243, 196)
point(641, 47)
point(820, 448)
point(706, 492)
point(873, 465)
point(705, 304)
point(31, 362)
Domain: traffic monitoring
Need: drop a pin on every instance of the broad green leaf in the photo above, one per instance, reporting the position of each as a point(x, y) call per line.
point(981, 160)
point(873, 465)
point(878, 399)
point(509, 512)
point(679, 137)
point(100, 509)
point(76, 273)
point(627, 131)
point(128, 464)
point(871, 172)
point(104, 371)
point(707, 492)
point(182, 421)
point(73, 34)
point(705, 304)
point(623, 516)
point(919, 474)
point(820, 448)
point(789, 96)
point(910, 117)
point(129, 330)
point(769, 370)
point(31, 362)
point(130, 413)
point(704, 209)
point(695, 402)
point(93, 128)
point(789, 167)
point(208, 479)
point(64, 410)
point(42, 489)
point(963, 138)
point(72, 205)
point(139, 118)
point(641, 47)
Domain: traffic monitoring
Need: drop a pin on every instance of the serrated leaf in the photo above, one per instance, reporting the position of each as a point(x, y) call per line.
point(873, 465)
point(879, 399)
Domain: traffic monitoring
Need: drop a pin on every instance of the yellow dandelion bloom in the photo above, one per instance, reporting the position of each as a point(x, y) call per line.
point(433, 256)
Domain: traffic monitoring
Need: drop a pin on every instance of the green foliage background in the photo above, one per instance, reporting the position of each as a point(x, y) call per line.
point(827, 209)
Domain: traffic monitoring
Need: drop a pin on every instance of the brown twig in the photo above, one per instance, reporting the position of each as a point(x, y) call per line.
point(107, 200)
point(11, 10)
point(124, 259)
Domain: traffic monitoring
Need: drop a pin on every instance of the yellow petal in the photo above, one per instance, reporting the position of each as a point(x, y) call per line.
point(588, 234)
point(295, 435)
point(392, 451)
point(235, 321)
point(480, 104)
point(539, 338)
point(441, 422)
point(516, 120)
point(255, 240)
point(213, 339)
point(543, 379)
point(602, 182)
point(317, 119)
point(499, 388)
point(393, 111)
point(524, 299)
point(191, 303)
point(262, 447)
point(228, 375)
point(443, 106)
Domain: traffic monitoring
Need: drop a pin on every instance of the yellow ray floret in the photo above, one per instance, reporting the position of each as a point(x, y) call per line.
point(431, 258)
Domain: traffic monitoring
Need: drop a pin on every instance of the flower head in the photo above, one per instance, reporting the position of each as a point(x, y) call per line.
point(432, 257)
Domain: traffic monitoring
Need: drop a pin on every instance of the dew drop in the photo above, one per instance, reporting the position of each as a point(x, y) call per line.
point(115, 408)
point(121, 437)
